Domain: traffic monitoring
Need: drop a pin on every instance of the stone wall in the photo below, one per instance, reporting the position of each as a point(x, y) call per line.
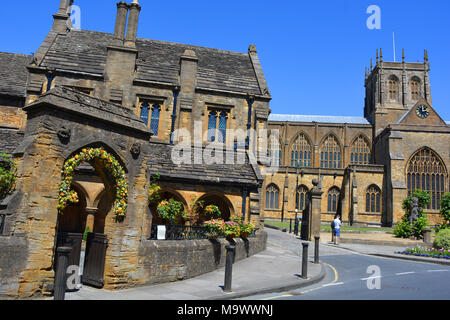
point(168, 261)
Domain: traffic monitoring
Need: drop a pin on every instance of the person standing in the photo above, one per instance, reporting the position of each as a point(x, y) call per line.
point(337, 229)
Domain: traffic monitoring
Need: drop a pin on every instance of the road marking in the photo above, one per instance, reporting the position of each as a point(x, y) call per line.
point(336, 277)
point(437, 270)
point(402, 273)
point(332, 284)
point(370, 278)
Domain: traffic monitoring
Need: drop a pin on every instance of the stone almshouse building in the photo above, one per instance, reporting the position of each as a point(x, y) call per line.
point(85, 90)
point(366, 165)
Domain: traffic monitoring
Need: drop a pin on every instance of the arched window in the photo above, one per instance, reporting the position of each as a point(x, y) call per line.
point(415, 88)
point(222, 127)
point(393, 85)
point(427, 172)
point(145, 112)
point(272, 193)
point(154, 125)
point(275, 154)
point(330, 155)
point(373, 199)
point(300, 199)
point(301, 152)
point(212, 126)
point(333, 199)
point(360, 151)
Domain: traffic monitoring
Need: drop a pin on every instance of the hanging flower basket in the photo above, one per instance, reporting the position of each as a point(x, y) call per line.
point(90, 155)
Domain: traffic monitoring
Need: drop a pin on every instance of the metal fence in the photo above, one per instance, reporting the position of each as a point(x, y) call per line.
point(184, 232)
point(287, 224)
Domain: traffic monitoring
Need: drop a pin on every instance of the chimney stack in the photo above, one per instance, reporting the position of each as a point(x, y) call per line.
point(121, 22)
point(133, 19)
point(61, 18)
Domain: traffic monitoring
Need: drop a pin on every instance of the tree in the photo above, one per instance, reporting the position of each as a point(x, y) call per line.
point(404, 228)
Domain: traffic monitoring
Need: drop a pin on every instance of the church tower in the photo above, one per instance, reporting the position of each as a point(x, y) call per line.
point(393, 88)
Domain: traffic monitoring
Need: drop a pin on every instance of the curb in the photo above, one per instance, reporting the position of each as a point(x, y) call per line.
point(413, 258)
point(381, 242)
point(279, 288)
point(397, 256)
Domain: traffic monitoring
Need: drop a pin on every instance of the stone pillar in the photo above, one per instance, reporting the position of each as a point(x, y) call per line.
point(188, 83)
point(90, 220)
point(121, 22)
point(315, 205)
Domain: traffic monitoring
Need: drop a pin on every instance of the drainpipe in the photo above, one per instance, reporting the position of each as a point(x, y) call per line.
point(176, 91)
point(244, 201)
point(250, 100)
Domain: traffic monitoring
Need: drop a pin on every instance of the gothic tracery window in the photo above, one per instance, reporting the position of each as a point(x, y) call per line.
point(427, 172)
point(272, 195)
point(217, 126)
point(275, 154)
point(393, 86)
point(330, 155)
point(333, 199)
point(300, 199)
point(415, 89)
point(373, 199)
point(301, 152)
point(360, 152)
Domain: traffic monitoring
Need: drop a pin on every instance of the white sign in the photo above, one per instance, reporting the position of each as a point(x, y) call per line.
point(161, 232)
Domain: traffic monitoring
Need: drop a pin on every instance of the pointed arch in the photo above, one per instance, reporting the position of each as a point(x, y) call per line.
point(300, 197)
point(373, 199)
point(301, 151)
point(361, 150)
point(333, 197)
point(331, 152)
point(275, 152)
point(272, 197)
point(426, 171)
point(393, 85)
point(415, 85)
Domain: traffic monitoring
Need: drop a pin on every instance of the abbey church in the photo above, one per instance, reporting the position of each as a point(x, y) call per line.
point(366, 165)
point(116, 101)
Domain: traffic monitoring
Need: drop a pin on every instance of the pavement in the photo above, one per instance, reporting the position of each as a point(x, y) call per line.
point(277, 269)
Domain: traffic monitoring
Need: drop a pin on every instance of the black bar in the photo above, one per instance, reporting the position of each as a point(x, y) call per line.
point(305, 260)
point(2, 223)
point(290, 225)
point(229, 268)
point(59, 290)
point(316, 249)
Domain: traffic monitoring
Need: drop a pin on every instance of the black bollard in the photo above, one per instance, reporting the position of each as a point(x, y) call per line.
point(290, 226)
point(59, 290)
point(316, 249)
point(296, 227)
point(229, 268)
point(305, 260)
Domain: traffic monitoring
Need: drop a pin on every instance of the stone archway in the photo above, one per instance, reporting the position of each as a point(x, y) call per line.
point(221, 201)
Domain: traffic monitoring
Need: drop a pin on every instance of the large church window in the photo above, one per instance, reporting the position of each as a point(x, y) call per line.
point(373, 199)
point(415, 89)
point(330, 155)
point(300, 199)
point(301, 152)
point(333, 199)
point(272, 195)
point(393, 85)
point(427, 172)
point(360, 153)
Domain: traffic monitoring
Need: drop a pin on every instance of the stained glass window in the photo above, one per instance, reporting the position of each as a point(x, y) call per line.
point(330, 156)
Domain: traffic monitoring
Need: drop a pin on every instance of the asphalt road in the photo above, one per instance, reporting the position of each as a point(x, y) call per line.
point(353, 276)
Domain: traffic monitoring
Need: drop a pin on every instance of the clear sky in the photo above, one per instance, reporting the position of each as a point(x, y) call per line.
point(313, 52)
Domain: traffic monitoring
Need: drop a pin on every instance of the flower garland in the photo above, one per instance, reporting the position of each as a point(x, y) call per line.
point(66, 195)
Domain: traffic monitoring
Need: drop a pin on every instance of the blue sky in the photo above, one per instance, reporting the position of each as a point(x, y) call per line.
point(313, 52)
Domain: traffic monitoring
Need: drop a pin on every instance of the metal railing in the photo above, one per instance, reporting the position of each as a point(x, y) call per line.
point(184, 232)
point(286, 224)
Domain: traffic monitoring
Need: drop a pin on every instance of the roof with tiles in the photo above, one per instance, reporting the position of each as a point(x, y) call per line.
point(240, 173)
point(81, 103)
point(320, 119)
point(158, 61)
point(14, 74)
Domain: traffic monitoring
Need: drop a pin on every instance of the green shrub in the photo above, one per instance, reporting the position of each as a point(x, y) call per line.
point(7, 174)
point(445, 211)
point(403, 228)
point(442, 239)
